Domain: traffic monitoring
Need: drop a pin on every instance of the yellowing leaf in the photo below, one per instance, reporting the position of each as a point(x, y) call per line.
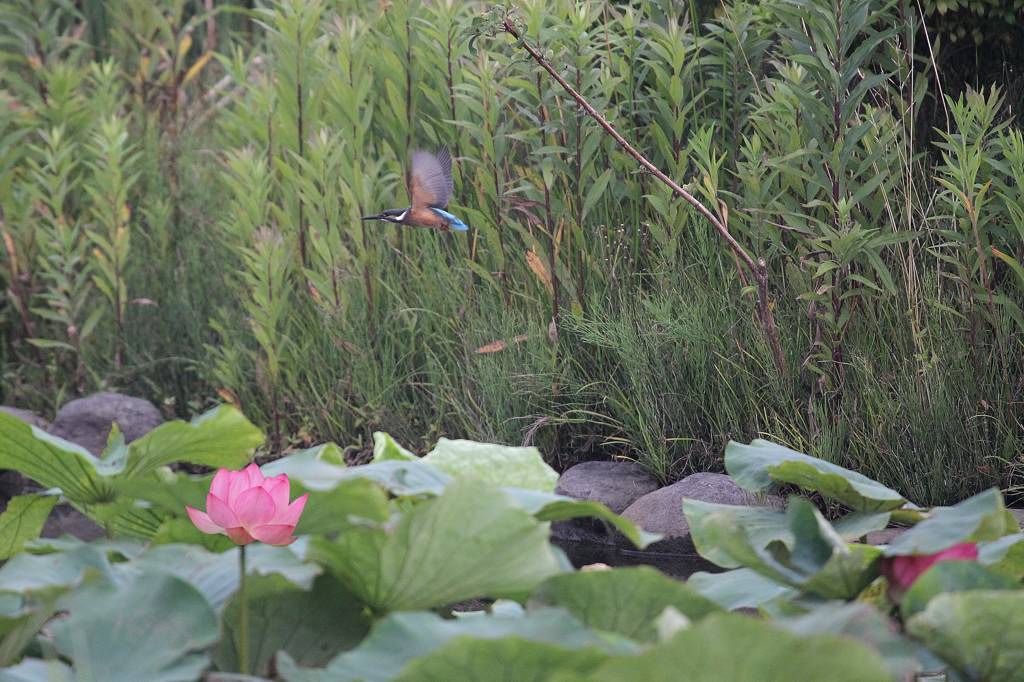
point(499, 345)
point(492, 347)
point(1014, 264)
point(538, 268)
point(184, 45)
point(196, 67)
point(228, 396)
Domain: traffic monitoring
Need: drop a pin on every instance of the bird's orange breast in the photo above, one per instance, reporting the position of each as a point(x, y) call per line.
point(424, 217)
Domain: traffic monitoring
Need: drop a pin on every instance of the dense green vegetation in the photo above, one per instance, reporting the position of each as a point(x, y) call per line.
point(387, 551)
point(180, 194)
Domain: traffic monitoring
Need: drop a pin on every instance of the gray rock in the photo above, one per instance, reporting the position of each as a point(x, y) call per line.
point(885, 536)
point(87, 421)
point(65, 520)
point(662, 510)
point(26, 415)
point(614, 484)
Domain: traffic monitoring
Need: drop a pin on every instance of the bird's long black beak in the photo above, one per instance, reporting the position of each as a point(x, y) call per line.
point(379, 216)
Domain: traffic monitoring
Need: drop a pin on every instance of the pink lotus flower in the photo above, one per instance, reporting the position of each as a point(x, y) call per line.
point(903, 571)
point(245, 506)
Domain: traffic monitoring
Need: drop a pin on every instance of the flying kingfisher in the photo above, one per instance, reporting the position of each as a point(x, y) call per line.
point(430, 186)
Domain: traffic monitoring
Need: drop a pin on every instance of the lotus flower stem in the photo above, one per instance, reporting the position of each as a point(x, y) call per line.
point(243, 616)
point(246, 506)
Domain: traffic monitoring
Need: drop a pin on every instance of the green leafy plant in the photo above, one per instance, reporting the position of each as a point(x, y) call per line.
point(112, 178)
point(622, 326)
point(365, 594)
point(221, 437)
point(64, 266)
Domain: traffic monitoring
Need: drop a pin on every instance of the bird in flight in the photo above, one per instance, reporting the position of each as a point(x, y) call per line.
point(430, 186)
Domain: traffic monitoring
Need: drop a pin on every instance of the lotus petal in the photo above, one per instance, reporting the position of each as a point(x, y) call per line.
point(202, 521)
point(239, 536)
point(220, 513)
point(254, 507)
point(274, 534)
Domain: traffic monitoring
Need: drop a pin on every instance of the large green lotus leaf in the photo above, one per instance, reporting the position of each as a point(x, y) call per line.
point(626, 601)
point(471, 541)
point(740, 588)
point(1004, 556)
point(819, 560)
point(321, 472)
point(47, 574)
point(980, 633)
point(951, 576)
point(176, 530)
point(23, 521)
point(121, 548)
point(167, 490)
point(50, 461)
point(21, 617)
point(322, 469)
point(154, 627)
point(401, 637)
point(856, 525)
point(496, 465)
point(763, 526)
point(11, 605)
point(847, 568)
point(552, 507)
point(125, 517)
point(903, 657)
point(37, 670)
point(847, 572)
point(215, 575)
point(761, 464)
point(221, 437)
point(18, 629)
point(721, 531)
point(402, 479)
point(742, 649)
point(329, 511)
point(312, 626)
point(317, 468)
point(511, 659)
point(979, 518)
point(385, 448)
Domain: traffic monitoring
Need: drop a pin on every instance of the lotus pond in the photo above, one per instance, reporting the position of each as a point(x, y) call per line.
point(363, 582)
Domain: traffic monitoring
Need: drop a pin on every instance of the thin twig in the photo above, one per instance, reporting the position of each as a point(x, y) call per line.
point(757, 268)
point(654, 170)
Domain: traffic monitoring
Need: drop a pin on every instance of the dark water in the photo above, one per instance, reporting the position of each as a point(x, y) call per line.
point(680, 566)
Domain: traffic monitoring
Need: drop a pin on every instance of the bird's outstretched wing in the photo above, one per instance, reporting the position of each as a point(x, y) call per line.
point(431, 181)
